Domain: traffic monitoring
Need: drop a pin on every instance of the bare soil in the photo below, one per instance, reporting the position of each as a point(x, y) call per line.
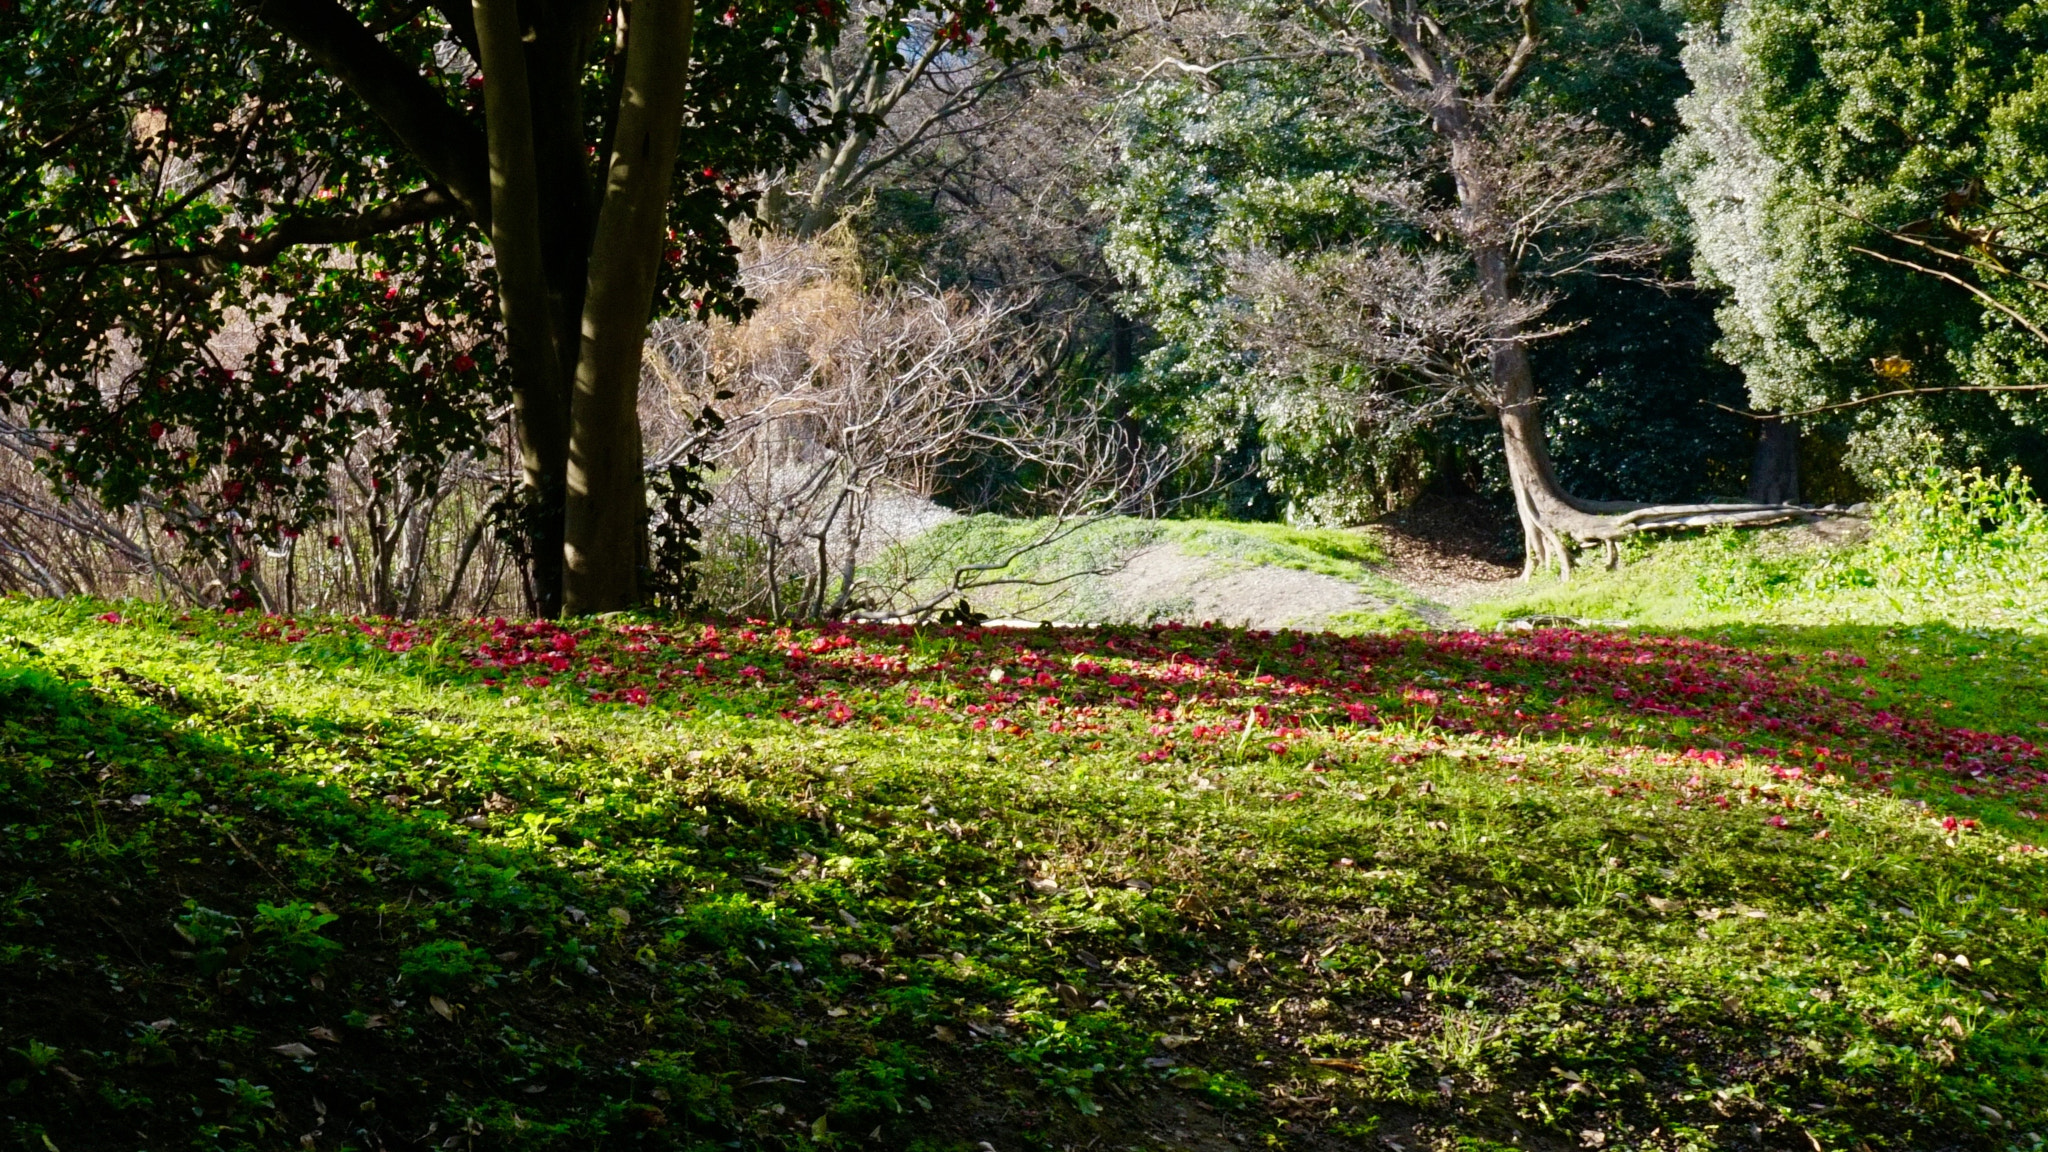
point(1450, 550)
point(1163, 582)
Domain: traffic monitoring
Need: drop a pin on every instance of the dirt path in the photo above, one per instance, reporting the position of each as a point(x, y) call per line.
point(1444, 555)
point(1448, 552)
point(1164, 582)
point(1441, 557)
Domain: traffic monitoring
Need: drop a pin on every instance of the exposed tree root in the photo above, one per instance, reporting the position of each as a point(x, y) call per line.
point(1557, 537)
point(1556, 524)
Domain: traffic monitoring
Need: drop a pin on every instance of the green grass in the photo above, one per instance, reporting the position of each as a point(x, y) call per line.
point(1335, 552)
point(357, 885)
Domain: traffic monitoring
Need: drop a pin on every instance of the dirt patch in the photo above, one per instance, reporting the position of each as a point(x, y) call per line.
point(1163, 582)
point(1450, 550)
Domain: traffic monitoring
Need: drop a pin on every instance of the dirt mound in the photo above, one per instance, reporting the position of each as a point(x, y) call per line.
point(1163, 582)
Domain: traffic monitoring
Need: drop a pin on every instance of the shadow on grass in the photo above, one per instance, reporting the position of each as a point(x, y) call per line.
point(1517, 886)
point(204, 943)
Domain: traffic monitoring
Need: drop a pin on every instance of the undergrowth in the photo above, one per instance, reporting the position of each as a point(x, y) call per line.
point(1943, 547)
point(362, 884)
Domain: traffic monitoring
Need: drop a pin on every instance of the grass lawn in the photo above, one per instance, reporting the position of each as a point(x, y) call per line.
point(629, 884)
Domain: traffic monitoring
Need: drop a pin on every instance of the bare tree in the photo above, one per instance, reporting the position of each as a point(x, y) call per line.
point(896, 94)
point(847, 404)
point(1528, 187)
point(912, 92)
point(1091, 468)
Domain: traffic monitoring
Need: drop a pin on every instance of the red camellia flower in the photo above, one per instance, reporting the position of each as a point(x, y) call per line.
point(463, 363)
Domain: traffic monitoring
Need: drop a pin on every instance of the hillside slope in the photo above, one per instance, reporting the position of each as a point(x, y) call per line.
point(355, 884)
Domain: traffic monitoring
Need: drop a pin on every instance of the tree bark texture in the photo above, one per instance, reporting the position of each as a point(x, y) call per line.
point(540, 402)
point(604, 527)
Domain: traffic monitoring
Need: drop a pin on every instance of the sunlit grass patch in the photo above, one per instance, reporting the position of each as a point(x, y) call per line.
point(692, 884)
point(1962, 550)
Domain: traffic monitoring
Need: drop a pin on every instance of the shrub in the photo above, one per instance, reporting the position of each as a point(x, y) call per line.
point(1943, 544)
point(440, 965)
point(216, 938)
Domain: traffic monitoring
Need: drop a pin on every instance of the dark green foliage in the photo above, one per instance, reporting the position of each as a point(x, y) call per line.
point(1639, 408)
point(1880, 127)
point(680, 493)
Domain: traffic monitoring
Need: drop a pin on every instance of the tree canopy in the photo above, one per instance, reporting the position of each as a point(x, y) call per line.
point(1828, 145)
point(242, 235)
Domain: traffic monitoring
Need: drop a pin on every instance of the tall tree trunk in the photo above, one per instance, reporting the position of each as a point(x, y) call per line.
point(606, 511)
point(540, 402)
point(555, 61)
point(1774, 473)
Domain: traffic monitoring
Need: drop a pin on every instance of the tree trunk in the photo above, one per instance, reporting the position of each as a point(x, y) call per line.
point(555, 62)
point(540, 408)
point(1774, 475)
point(1550, 516)
point(1554, 522)
point(606, 510)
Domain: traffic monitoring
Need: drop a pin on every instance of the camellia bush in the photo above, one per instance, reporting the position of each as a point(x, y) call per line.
point(239, 234)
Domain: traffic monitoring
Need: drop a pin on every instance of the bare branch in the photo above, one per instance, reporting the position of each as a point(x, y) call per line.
point(1893, 395)
point(1958, 281)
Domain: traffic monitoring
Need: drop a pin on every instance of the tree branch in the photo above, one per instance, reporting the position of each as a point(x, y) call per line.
point(441, 138)
point(1524, 54)
point(1847, 404)
point(1959, 282)
point(1389, 75)
point(1206, 69)
point(290, 232)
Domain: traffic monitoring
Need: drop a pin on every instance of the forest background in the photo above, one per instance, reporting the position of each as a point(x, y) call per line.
point(1206, 260)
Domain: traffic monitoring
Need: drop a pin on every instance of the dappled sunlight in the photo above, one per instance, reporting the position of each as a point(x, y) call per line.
point(1223, 696)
